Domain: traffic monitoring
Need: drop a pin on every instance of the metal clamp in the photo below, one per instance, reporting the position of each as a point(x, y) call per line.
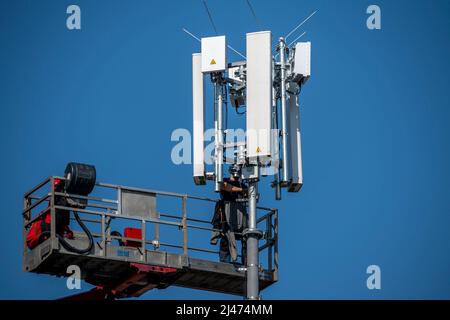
point(250, 232)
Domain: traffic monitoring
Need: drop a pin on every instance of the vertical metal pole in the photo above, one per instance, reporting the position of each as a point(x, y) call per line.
point(26, 218)
point(184, 226)
point(103, 228)
point(52, 210)
point(275, 247)
point(144, 240)
point(218, 133)
point(269, 242)
point(157, 234)
point(119, 201)
point(284, 119)
point(107, 232)
point(216, 138)
point(252, 245)
point(276, 144)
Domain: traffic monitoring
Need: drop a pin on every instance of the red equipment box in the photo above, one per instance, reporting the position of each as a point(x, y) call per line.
point(134, 233)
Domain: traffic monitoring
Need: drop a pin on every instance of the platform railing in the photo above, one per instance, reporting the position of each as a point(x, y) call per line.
point(103, 210)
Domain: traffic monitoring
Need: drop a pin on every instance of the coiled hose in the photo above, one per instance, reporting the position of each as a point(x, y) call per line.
point(71, 248)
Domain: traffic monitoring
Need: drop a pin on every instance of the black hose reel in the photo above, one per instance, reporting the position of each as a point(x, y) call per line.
point(80, 178)
point(79, 181)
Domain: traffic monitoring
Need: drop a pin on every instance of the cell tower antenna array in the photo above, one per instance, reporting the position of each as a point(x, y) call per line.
point(268, 87)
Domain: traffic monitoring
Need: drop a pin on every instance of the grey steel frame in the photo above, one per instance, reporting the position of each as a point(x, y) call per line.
point(103, 209)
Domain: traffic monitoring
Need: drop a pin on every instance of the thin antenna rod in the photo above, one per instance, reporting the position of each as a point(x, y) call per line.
point(297, 38)
point(210, 16)
point(185, 30)
point(258, 22)
point(198, 39)
point(295, 29)
point(237, 52)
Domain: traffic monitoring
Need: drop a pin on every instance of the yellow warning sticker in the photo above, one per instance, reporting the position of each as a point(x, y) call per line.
point(213, 62)
point(258, 150)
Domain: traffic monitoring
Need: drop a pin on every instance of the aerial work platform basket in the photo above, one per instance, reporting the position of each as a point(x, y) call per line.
point(172, 245)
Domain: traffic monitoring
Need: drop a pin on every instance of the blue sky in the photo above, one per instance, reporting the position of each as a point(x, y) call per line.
point(375, 130)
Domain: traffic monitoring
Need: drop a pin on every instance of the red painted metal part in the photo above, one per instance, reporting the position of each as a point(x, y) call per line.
point(134, 233)
point(141, 279)
point(148, 268)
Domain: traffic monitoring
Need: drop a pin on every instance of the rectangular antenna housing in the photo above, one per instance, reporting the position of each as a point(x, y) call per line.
point(214, 54)
point(302, 60)
point(232, 74)
point(295, 141)
point(259, 95)
point(198, 100)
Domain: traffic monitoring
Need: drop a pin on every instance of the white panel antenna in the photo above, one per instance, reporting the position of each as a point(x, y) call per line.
point(296, 181)
point(259, 95)
point(302, 60)
point(198, 100)
point(214, 54)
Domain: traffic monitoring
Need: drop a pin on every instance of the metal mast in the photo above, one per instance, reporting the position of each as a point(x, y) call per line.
point(255, 84)
point(253, 235)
